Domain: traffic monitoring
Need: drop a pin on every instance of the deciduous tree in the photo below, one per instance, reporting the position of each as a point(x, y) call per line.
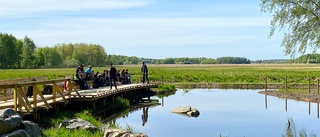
point(299, 19)
point(27, 52)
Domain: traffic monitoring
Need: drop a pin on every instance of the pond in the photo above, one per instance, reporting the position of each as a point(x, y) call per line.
point(225, 112)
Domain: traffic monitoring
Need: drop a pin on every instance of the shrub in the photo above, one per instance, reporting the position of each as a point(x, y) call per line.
point(121, 104)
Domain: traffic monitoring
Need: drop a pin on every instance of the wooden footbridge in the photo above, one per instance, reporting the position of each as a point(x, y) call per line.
point(13, 94)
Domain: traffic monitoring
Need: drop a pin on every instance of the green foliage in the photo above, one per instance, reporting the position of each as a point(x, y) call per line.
point(167, 87)
point(8, 53)
point(117, 125)
point(308, 58)
point(121, 104)
point(233, 60)
point(113, 125)
point(300, 21)
point(63, 132)
point(28, 49)
point(291, 131)
point(53, 122)
point(208, 61)
point(272, 61)
point(87, 115)
point(180, 74)
point(130, 128)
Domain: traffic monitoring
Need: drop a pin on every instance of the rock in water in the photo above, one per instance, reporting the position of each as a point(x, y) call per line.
point(187, 111)
point(183, 109)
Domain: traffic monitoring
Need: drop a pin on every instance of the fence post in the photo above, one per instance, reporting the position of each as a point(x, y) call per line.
point(285, 83)
point(266, 82)
point(318, 85)
point(162, 80)
point(309, 84)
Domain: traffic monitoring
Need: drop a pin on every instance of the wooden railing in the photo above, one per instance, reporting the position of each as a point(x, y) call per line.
point(14, 94)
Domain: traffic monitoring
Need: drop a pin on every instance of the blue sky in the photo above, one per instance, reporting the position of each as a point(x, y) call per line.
point(147, 28)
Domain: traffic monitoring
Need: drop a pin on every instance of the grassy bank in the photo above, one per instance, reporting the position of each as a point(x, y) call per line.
point(221, 74)
point(51, 122)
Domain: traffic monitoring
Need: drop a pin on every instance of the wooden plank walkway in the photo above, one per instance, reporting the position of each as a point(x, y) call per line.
point(21, 103)
point(102, 92)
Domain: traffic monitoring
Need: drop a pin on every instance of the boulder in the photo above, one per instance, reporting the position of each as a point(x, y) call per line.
point(9, 119)
point(187, 111)
point(31, 128)
point(17, 133)
point(115, 132)
point(183, 109)
point(78, 124)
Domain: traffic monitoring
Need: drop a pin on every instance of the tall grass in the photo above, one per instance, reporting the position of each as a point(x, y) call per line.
point(53, 122)
point(121, 104)
point(230, 74)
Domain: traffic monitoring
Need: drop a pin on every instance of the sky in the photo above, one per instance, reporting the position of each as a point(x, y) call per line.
point(147, 28)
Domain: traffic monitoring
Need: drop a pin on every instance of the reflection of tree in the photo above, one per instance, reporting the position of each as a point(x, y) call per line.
point(133, 108)
point(291, 131)
point(166, 94)
point(186, 91)
point(144, 116)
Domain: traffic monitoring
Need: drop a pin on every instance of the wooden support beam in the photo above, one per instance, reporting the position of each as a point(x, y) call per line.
point(54, 92)
point(35, 100)
point(23, 101)
point(35, 114)
point(94, 105)
point(71, 86)
point(60, 92)
point(104, 101)
point(15, 98)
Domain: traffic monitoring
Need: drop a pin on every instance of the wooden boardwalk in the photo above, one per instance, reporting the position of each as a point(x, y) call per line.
point(13, 94)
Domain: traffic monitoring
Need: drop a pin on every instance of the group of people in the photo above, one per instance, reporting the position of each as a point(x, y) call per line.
point(109, 77)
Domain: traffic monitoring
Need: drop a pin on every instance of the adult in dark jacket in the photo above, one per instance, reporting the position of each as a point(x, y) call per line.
point(144, 70)
point(113, 76)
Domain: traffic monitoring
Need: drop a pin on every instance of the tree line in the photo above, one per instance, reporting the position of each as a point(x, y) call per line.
point(23, 53)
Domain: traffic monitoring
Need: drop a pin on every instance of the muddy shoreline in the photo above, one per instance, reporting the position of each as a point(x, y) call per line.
point(301, 92)
point(305, 97)
point(241, 86)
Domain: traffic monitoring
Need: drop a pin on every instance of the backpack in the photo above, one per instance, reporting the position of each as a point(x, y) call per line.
point(29, 91)
point(47, 90)
point(84, 85)
point(95, 85)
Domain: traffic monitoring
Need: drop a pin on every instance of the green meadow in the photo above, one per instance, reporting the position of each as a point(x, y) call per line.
point(221, 74)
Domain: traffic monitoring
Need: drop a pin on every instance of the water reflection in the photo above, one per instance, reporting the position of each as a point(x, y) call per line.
point(229, 112)
point(144, 115)
point(286, 105)
point(291, 131)
point(123, 114)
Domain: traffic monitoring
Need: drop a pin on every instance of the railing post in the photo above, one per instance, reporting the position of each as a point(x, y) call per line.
point(15, 98)
point(54, 91)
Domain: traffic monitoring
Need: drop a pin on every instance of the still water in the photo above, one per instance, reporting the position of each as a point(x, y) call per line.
point(231, 113)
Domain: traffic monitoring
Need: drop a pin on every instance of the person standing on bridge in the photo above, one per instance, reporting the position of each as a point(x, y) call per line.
point(113, 76)
point(144, 70)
